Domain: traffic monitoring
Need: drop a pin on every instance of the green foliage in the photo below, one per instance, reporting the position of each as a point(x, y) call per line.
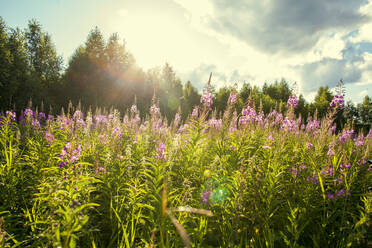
point(105, 182)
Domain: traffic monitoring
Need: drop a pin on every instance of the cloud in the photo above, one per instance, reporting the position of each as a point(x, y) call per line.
point(364, 32)
point(328, 72)
point(278, 26)
point(363, 93)
point(355, 68)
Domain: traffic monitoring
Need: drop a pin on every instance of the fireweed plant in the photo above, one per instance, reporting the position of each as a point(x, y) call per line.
point(234, 180)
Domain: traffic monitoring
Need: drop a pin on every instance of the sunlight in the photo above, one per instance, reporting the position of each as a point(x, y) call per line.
point(153, 39)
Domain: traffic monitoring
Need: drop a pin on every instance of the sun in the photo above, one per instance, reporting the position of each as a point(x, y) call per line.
point(154, 39)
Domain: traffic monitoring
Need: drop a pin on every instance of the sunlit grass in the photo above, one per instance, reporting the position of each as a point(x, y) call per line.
point(242, 180)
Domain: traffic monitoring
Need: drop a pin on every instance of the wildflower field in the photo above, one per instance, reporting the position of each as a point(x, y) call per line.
point(237, 180)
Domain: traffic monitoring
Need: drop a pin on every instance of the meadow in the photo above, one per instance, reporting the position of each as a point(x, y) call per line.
point(102, 179)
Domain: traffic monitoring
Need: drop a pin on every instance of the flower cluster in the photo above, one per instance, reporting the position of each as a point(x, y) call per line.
point(70, 154)
point(117, 132)
point(369, 135)
point(314, 179)
point(312, 125)
point(337, 101)
point(215, 123)
point(160, 148)
point(292, 101)
point(49, 137)
point(78, 115)
point(309, 145)
point(11, 115)
point(338, 193)
point(41, 116)
point(205, 196)
point(344, 167)
point(248, 115)
point(327, 171)
point(133, 109)
point(338, 181)
point(29, 113)
point(232, 98)
point(206, 99)
point(331, 148)
point(295, 171)
point(99, 120)
point(359, 141)
point(154, 110)
point(289, 125)
point(103, 139)
point(345, 135)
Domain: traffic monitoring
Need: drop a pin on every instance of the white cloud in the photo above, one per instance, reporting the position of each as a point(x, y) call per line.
point(284, 26)
point(366, 68)
point(364, 33)
point(363, 93)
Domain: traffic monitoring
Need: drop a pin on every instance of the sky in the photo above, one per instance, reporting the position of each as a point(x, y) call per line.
point(310, 43)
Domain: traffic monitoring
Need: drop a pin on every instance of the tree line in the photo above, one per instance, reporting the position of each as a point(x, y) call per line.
point(103, 73)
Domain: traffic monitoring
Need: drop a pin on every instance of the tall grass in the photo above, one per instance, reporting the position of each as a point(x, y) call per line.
point(245, 180)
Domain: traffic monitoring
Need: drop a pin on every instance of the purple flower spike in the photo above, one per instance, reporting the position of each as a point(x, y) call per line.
point(206, 195)
point(161, 152)
point(330, 196)
point(292, 101)
point(207, 99)
point(337, 101)
point(29, 113)
point(341, 192)
point(49, 137)
point(232, 98)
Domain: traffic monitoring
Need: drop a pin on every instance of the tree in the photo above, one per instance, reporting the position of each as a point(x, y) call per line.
point(322, 101)
point(190, 98)
point(19, 79)
point(5, 62)
point(45, 65)
point(84, 77)
point(279, 91)
point(169, 91)
point(302, 108)
point(245, 91)
point(221, 98)
point(365, 113)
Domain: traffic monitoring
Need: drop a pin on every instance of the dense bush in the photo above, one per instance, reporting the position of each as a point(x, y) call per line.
point(245, 180)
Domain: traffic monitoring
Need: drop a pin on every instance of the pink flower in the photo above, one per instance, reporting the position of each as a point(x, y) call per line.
point(337, 101)
point(292, 101)
point(232, 98)
point(49, 137)
point(207, 99)
point(160, 148)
